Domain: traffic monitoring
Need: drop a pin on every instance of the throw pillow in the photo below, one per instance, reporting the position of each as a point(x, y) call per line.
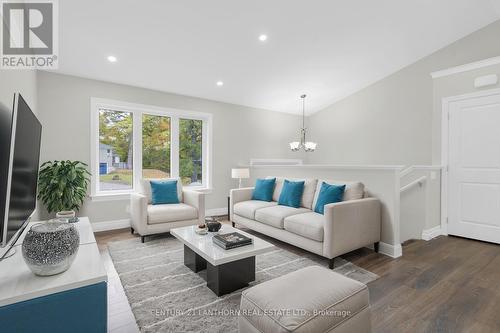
point(291, 194)
point(328, 194)
point(164, 192)
point(264, 189)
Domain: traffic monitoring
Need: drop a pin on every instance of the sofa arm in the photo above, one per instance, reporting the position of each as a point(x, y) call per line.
point(350, 225)
point(239, 195)
point(138, 212)
point(195, 199)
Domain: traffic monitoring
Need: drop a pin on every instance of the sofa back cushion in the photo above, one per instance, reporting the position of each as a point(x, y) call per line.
point(353, 190)
point(145, 187)
point(307, 195)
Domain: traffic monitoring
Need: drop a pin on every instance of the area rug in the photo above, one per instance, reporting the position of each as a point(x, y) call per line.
point(166, 296)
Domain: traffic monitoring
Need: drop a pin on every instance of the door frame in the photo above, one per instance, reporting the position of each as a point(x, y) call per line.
point(446, 102)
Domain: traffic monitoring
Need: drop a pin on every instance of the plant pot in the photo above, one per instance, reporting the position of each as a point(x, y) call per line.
point(65, 215)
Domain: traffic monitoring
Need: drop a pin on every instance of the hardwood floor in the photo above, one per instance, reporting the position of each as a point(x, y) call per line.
point(448, 284)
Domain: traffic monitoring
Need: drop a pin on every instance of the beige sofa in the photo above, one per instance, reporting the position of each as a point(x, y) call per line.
point(345, 226)
point(148, 219)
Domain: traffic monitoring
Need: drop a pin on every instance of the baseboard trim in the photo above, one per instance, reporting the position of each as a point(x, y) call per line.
point(216, 211)
point(110, 225)
point(431, 233)
point(393, 251)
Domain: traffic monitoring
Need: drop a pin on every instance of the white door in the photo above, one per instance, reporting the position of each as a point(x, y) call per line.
point(474, 168)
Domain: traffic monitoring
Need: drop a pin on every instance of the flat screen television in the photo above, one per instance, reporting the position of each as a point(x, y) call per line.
point(20, 136)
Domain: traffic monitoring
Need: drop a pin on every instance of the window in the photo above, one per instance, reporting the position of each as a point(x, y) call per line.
point(190, 151)
point(115, 151)
point(131, 141)
point(156, 145)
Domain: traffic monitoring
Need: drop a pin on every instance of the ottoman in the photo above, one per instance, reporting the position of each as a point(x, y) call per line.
point(312, 299)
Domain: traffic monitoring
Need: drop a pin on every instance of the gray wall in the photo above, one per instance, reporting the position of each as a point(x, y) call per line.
point(240, 133)
point(391, 121)
point(22, 81)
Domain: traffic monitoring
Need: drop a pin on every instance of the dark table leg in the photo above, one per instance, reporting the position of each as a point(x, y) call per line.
point(226, 278)
point(192, 260)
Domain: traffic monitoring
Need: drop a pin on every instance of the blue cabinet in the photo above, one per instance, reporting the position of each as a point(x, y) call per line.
point(80, 310)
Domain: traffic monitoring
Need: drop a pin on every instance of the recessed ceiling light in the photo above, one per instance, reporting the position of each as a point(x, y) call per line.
point(220, 83)
point(263, 38)
point(112, 58)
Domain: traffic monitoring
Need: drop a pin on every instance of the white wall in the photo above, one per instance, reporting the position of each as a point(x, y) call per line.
point(391, 121)
point(240, 133)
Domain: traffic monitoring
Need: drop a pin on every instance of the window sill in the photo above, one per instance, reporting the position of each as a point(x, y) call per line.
point(110, 197)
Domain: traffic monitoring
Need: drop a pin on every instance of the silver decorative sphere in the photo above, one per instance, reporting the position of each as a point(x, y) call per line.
point(50, 248)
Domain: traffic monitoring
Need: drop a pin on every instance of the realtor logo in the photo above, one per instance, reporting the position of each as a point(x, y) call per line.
point(29, 34)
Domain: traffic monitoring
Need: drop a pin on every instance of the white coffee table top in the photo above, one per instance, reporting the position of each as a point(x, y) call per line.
point(215, 255)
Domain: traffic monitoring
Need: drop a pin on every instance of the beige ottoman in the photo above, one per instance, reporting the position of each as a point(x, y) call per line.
point(312, 299)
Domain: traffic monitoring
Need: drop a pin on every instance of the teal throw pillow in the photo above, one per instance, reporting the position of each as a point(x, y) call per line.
point(164, 192)
point(264, 189)
point(328, 194)
point(291, 194)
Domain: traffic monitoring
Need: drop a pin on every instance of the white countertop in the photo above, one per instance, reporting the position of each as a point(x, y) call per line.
point(215, 255)
point(18, 283)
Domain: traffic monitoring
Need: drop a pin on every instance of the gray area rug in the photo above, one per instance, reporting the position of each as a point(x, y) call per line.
point(166, 296)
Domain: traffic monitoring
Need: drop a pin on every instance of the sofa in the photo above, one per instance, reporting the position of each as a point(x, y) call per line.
point(148, 219)
point(345, 226)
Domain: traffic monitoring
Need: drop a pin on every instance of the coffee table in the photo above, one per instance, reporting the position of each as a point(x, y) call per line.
point(227, 270)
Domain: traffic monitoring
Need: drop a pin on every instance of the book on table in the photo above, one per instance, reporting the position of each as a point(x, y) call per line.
point(231, 240)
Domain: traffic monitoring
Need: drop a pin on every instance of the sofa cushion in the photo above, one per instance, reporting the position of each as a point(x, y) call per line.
point(247, 208)
point(353, 190)
point(274, 216)
point(307, 195)
point(322, 296)
point(309, 225)
point(145, 187)
point(171, 213)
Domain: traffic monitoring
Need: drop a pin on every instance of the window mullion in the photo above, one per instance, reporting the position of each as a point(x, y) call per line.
point(174, 152)
point(137, 148)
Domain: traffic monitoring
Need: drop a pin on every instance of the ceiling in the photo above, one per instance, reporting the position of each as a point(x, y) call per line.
point(327, 49)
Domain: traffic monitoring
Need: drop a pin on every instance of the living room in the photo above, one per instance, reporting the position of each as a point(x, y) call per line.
point(347, 151)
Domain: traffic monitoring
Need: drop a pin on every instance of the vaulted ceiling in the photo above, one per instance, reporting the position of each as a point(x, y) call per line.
point(327, 49)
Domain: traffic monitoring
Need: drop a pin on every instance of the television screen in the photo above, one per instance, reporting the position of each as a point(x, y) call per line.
point(22, 172)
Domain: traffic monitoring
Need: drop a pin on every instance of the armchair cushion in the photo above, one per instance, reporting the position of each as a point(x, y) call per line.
point(274, 216)
point(247, 208)
point(171, 213)
point(309, 225)
point(145, 188)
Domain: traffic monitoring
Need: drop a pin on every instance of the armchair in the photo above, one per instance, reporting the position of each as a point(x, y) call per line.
point(148, 219)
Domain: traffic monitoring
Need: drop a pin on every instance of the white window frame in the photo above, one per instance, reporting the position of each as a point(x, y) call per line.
point(137, 111)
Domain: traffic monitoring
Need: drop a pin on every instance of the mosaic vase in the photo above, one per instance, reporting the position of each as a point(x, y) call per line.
point(50, 248)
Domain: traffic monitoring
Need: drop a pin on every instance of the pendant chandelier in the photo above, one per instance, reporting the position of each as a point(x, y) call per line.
point(308, 146)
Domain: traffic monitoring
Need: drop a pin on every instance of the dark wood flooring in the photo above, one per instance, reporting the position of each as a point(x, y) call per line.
point(448, 284)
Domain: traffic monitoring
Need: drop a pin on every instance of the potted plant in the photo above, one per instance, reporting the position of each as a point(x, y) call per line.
point(62, 186)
